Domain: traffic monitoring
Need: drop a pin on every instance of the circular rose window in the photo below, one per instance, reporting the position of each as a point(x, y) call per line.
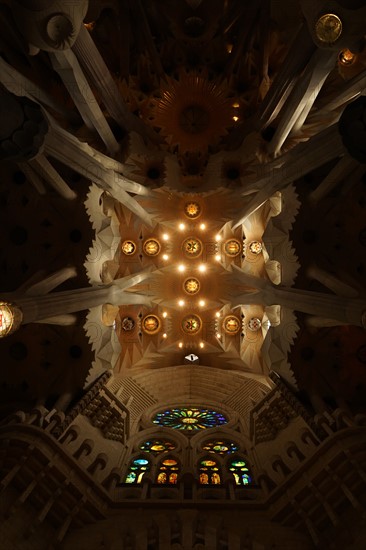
point(232, 247)
point(128, 248)
point(151, 324)
point(191, 285)
point(254, 324)
point(192, 210)
point(192, 247)
point(191, 324)
point(231, 324)
point(151, 247)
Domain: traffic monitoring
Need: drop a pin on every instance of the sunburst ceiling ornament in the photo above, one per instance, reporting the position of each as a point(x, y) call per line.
point(231, 325)
point(193, 113)
point(151, 324)
point(192, 210)
point(128, 248)
point(191, 285)
point(232, 247)
point(152, 247)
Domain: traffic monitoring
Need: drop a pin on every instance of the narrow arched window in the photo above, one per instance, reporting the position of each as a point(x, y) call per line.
point(239, 468)
point(209, 472)
point(138, 467)
point(168, 471)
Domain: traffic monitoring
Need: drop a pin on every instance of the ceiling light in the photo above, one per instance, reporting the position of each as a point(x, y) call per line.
point(165, 237)
point(180, 344)
point(218, 238)
point(165, 257)
point(218, 257)
point(202, 345)
point(181, 303)
point(165, 314)
point(182, 226)
point(202, 268)
point(235, 118)
point(181, 268)
point(202, 303)
point(203, 226)
point(165, 335)
point(218, 314)
point(218, 335)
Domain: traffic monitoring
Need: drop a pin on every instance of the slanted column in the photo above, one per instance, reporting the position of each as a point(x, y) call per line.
point(301, 160)
point(98, 74)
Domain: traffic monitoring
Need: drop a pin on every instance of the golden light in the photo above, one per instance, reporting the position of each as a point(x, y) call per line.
point(165, 257)
point(346, 57)
point(165, 314)
point(218, 238)
point(235, 118)
point(202, 268)
point(218, 314)
point(203, 226)
point(236, 105)
point(180, 344)
point(165, 237)
point(218, 257)
point(202, 303)
point(229, 48)
point(218, 336)
point(182, 226)
point(181, 268)
point(165, 335)
point(202, 345)
point(181, 303)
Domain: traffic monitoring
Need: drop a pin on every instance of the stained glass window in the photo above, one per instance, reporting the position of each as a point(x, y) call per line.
point(220, 447)
point(238, 467)
point(209, 472)
point(189, 419)
point(138, 467)
point(168, 471)
point(157, 446)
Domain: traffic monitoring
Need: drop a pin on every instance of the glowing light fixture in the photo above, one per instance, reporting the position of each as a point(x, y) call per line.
point(202, 268)
point(181, 268)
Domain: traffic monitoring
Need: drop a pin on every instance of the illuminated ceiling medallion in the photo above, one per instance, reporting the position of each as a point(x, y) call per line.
point(151, 324)
point(191, 285)
point(128, 248)
point(152, 247)
point(231, 325)
point(254, 324)
point(255, 247)
point(191, 324)
point(328, 28)
point(192, 210)
point(346, 57)
point(127, 324)
point(232, 247)
point(10, 318)
point(192, 247)
point(192, 113)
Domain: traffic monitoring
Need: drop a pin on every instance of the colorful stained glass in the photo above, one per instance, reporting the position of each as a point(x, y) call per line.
point(168, 471)
point(240, 471)
point(138, 467)
point(189, 419)
point(220, 447)
point(157, 446)
point(209, 472)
